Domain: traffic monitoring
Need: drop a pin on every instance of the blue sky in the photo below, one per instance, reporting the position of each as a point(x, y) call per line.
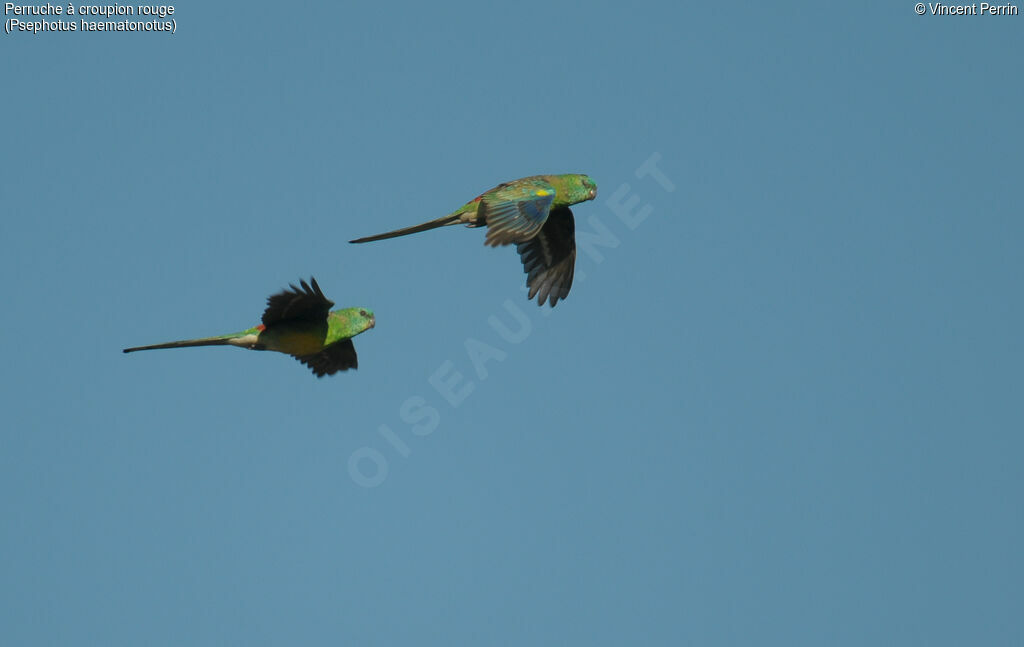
point(782, 404)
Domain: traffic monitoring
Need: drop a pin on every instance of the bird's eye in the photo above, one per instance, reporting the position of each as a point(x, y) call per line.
point(362, 313)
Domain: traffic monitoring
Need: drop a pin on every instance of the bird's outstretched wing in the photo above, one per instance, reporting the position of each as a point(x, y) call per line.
point(516, 211)
point(549, 258)
point(339, 356)
point(306, 303)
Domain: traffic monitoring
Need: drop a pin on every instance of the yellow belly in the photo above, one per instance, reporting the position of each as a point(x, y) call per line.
point(294, 340)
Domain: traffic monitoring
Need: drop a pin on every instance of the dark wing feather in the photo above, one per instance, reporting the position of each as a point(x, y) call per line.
point(515, 212)
point(339, 356)
point(549, 258)
point(305, 303)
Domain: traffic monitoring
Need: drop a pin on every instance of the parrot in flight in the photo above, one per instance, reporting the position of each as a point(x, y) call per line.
point(299, 322)
point(532, 213)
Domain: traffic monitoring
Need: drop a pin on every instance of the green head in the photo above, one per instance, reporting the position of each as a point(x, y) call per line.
point(349, 322)
point(574, 187)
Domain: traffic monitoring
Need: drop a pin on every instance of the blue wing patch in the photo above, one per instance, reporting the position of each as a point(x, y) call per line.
point(514, 221)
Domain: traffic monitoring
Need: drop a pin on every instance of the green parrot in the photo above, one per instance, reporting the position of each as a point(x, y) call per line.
point(533, 213)
point(298, 322)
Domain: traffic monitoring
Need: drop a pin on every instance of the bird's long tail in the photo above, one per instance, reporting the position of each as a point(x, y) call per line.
point(206, 341)
point(433, 224)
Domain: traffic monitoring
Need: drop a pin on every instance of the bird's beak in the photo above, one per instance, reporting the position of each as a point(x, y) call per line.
point(373, 321)
point(593, 193)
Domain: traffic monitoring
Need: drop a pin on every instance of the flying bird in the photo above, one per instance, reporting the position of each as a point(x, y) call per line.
point(299, 322)
point(533, 214)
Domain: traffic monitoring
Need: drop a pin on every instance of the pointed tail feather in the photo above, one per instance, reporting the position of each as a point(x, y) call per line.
point(207, 341)
point(433, 224)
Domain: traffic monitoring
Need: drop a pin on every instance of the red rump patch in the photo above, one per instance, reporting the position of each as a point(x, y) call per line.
point(478, 198)
point(261, 327)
